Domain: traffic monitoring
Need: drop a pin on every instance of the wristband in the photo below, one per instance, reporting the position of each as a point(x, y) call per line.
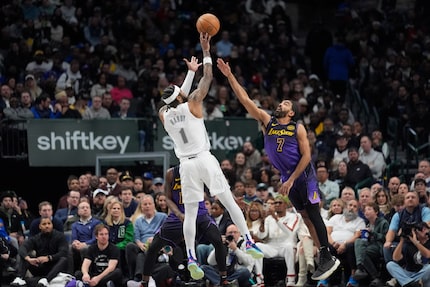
point(207, 60)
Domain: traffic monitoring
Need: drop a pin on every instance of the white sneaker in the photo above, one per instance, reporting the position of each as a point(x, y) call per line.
point(18, 282)
point(132, 283)
point(42, 283)
point(392, 282)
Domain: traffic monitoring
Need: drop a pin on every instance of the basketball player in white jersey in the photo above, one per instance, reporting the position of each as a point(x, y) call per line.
point(182, 117)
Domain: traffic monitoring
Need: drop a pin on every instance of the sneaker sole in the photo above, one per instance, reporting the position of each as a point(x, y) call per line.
point(255, 254)
point(195, 271)
point(328, 272)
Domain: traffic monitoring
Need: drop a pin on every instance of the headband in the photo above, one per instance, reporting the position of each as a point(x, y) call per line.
point(173, 96)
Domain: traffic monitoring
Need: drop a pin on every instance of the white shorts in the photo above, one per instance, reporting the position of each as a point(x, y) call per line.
point(203, 169)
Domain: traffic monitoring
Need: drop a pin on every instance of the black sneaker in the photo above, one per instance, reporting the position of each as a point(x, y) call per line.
point(376, 283)
point(360, 274)
point(326, 266)
point(413, 284)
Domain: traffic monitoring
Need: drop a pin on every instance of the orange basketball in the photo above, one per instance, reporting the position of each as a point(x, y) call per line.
point(208, 23)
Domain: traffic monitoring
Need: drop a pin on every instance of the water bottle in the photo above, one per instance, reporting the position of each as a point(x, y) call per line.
point(23, 226)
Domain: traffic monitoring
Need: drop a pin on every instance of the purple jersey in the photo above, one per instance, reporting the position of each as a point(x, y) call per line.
point(177, 198)
point(282, 147)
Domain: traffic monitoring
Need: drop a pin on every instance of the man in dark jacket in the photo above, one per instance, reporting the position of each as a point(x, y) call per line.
point(44, 255)
point(357, 170)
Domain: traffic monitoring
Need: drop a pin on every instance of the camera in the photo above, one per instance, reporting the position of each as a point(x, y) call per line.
point(229, 238)
point(408, 226)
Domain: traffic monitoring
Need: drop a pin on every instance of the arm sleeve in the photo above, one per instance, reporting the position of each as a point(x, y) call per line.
point(186, 85)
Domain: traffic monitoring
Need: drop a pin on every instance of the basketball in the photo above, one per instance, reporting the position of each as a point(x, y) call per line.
point(208, 23)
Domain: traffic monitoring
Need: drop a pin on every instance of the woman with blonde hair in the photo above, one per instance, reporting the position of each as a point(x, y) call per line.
point(255, 216)
point(121, 230)
point(106, 206)
point(336, 207)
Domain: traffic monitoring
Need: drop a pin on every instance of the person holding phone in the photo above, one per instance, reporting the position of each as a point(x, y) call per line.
point(238, 262)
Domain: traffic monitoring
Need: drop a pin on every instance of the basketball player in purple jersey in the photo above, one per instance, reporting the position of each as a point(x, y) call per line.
point(287, 146)
point(170, 232)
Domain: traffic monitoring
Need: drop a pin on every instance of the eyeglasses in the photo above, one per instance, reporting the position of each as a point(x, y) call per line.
point(277, 202)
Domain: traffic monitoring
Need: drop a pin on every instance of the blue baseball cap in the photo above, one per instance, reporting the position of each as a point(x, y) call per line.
point(147, 175)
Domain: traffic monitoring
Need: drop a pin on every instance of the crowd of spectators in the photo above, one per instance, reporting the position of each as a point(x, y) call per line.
point(74, 59)
point(137, 210)
point(68, 54)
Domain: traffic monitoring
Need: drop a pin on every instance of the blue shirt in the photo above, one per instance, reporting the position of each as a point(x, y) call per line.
point(144, 230)
point(84, 231)
point(395, 221)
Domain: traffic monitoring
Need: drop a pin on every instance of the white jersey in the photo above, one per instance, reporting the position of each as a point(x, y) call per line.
point(188, 133)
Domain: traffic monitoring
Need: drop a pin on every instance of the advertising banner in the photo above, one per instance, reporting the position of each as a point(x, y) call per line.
point(77, 142)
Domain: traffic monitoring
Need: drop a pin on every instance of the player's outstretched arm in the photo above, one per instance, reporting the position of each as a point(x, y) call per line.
point(202, 90)
point(241, 94)
point(193, 66)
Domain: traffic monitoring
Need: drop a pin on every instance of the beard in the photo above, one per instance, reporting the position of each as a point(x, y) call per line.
point(279, 114)
point(350, 215)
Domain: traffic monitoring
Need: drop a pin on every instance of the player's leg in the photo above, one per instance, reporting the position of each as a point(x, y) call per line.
point(192, 194)
point(190, 238)
point(214, 178)
point(306, 201)
point(213, 235)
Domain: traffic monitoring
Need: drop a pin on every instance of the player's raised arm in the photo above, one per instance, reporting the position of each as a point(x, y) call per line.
point(205, 82)
point(242, 95)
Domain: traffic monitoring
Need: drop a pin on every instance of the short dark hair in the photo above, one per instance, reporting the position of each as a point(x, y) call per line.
point(43, 203)
point(353, 148)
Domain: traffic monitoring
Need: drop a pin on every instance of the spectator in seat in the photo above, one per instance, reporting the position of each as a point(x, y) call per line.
point(357, 170)
point(50, 248)
point(83, 233)
point(96, 111)
point(128, 202)
point(144, 231)
point(412, 212)
point(71, 210)
point(369, 250)
point(374, 159)
point(11, 218)
point(414, 250)
point(113, 186)
point(238, 261)
point(97, 204)
point(124, 110)
point(45, 211)
point(121, 229)
point(343, 230)
point(101, 264)
point(281, 232)
point(329, 188)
